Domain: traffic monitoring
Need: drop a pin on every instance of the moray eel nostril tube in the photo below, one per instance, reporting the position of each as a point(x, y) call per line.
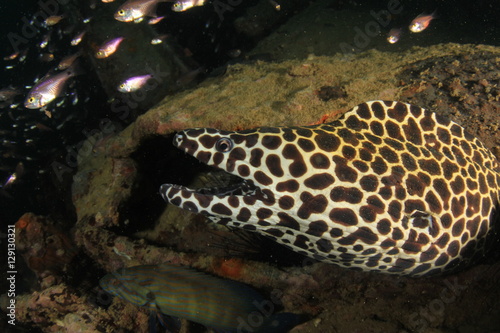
point(389, 187)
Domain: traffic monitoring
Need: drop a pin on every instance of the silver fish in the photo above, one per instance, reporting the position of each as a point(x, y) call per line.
point(67, 61)
point(8, 94)
point(11, 56)
point(14, 176)
point(108, 48)
point(45, 41)
point(48, 89)
point(275, 5)
point(155, 20)
point(421, 22)
point(183, 5)
point(394, 35)
point(78, 38)
point(134, 83)
point(159, 39)
point(46, 57)
point(133, 10)
point(53, 20)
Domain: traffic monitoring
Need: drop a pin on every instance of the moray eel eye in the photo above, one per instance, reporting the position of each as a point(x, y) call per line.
point(224, 145)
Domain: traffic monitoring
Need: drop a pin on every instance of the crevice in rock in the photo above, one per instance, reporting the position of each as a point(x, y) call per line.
point(158, 162)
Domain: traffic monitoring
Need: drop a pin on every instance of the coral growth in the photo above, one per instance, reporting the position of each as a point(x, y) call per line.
point(45, 248)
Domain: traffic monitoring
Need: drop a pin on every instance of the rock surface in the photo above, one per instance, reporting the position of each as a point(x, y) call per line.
point(122, 220)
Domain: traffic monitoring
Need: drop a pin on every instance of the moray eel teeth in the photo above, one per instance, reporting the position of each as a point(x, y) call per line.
point(389, 187)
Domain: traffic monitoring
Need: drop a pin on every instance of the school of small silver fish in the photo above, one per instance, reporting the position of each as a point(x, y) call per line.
point(57, 102)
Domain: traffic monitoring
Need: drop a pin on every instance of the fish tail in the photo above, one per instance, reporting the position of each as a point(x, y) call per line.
point(169, 323)
point(152, 10)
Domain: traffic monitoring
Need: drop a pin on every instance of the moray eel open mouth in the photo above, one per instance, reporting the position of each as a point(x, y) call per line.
point(243, 189)
point(240, 188)
point(389, 187)
point(235, 187)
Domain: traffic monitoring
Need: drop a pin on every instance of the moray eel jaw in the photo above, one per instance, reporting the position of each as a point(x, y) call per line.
point(174, 194)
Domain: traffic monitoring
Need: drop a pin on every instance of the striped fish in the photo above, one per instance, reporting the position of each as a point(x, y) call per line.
point(186, 293)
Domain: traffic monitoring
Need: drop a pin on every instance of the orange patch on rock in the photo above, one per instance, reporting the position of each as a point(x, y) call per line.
point(231, 268)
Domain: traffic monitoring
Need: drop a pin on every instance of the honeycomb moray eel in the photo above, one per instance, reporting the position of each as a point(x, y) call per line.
point(389, 187)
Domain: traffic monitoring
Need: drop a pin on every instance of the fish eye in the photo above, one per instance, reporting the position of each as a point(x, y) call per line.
point(224, 145)
point(121, 12)
point(31, 99)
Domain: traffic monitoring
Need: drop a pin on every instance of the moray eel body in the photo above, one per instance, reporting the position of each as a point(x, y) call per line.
point(389, 187)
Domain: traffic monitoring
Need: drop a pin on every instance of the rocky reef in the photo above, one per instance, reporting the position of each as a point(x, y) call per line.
point(122, 220)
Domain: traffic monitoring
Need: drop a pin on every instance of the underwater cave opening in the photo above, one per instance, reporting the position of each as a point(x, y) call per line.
point(157, 162)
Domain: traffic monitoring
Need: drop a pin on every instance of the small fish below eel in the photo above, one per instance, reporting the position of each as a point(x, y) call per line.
point(182, 292)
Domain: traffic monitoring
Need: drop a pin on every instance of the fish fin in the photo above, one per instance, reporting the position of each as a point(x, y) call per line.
point(169, 323)
point(433, 14)
point(151, 12)
point(152, 322)
point(186, 78)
